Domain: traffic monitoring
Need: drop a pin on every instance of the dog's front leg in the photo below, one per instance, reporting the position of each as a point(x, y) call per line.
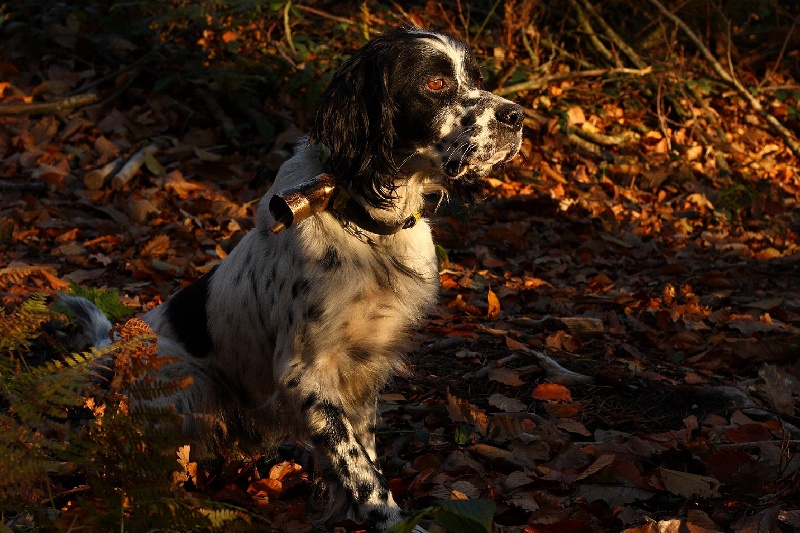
point(343, 445)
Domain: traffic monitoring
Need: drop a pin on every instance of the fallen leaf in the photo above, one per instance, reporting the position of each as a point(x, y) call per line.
point(463, 411)
point(505, 376)
point(525, 500)
point(494, 306)
point(573, 426)
point(506, 404)
point(689, 485)
point(748, 433)
point(265, 487)
point(156, 247)
point(516, 479)
point(552, 392)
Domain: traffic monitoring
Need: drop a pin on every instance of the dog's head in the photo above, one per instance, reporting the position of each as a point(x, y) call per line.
point(409, 103)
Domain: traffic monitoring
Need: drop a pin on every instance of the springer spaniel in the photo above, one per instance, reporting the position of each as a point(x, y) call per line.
point(295, 333)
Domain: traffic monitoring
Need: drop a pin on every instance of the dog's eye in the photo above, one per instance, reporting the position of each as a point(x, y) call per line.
point(479, 83)
point(436, 84)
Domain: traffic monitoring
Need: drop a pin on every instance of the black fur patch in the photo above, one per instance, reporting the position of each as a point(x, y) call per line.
point(301, 285)
point(309, 402)
point(364, 491)
point(343, 467)
point(313, 312)
point(377, 516)
point(331, 259)
point(186, 313)
point(359, 354)
point(335, 431)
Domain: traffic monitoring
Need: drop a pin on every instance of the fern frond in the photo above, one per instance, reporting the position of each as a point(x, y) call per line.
point(119, 441)
point(16, 274)
point(158, 388)
point(221, 518)
point(19, 328)
point(107, 300)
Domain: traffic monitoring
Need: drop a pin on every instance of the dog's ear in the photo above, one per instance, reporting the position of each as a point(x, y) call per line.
point(356, 122)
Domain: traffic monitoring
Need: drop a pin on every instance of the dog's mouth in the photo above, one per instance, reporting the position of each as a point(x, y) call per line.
point(470, 163)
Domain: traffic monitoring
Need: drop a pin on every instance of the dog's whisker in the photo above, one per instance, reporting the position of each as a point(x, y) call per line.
point(407, 159)
point(466, 131)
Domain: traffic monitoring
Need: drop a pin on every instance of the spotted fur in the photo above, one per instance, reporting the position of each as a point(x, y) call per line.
point(296, 333)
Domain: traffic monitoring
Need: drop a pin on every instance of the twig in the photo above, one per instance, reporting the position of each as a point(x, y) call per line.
point(121, 70)
point(539, 83)
point(557, 373)
point(773, 88)
point(605, 140)
point(774, 68)
point(224, 121)
point(531, 54)
point(287, 27)
point(730, 78)
point(485, 21)
point(323, 14)
point(586, 26)
point(121, 89)
point(614, 36)
point(44, 108)
point(564, 52)
point(129, 170)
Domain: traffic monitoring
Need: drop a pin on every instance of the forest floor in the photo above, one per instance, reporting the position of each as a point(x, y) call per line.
point(662, 270)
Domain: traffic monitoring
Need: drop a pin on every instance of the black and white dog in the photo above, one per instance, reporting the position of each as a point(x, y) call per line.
point(296, 333)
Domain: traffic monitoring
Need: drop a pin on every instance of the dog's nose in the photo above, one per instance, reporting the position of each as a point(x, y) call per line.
point(511, 115)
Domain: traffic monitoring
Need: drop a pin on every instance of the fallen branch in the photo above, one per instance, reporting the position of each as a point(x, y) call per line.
point(54, 106)
point(582, 143)
point(539, 83)
point(24, 187)
point(95, 179)
point(731, 79)
point(129, 170)
point(605, 140)
point(557, 373)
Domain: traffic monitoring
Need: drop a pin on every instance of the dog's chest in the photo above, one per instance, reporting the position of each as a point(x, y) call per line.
point(372, 289)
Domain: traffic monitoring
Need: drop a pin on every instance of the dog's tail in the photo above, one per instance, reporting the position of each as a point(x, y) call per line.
point(95, 324)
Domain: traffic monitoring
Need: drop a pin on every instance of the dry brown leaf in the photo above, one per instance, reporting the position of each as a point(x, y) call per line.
point(506, 376)
point(506, 404)
point(156, 247)
point(463, 411)
point(689, 485)
point(552, 392)
point(494, 306)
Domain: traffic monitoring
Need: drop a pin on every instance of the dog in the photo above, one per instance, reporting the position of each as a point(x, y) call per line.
point(295, 333)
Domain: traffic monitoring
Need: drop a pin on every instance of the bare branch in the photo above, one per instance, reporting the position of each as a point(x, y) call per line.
point(539, 83)
point(729, 78)
point(46, 108)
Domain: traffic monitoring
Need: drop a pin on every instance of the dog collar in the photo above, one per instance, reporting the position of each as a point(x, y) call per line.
point(348, 210)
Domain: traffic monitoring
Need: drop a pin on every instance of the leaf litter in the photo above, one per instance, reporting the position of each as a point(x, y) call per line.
point(637, 269)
